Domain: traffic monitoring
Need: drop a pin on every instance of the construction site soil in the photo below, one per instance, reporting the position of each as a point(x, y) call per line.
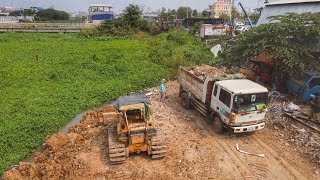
point(194, 150)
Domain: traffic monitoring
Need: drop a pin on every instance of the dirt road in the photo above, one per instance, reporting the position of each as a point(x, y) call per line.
point(194, 151)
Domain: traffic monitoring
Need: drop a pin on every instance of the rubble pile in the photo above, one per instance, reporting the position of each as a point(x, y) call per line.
point(205, 70)
point(292, 133)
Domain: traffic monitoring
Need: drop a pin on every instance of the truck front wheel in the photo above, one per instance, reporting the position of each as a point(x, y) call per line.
point(185, 101)
point(218, 125)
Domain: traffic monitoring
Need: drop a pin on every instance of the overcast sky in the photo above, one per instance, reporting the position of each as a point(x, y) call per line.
point(72, 5)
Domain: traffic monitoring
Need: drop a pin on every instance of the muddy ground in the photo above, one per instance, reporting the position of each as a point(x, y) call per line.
point(194, 151)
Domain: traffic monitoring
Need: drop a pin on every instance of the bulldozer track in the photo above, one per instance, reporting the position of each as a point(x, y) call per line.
point(117, 149)
point(158, 148)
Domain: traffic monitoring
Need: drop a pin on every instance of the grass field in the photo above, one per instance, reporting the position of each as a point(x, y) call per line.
point(47, 79)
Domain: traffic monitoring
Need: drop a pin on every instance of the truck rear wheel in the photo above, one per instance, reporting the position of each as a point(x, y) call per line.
point(185, 101)
point(218, 125)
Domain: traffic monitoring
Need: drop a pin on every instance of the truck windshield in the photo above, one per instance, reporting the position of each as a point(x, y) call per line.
point(250, 102)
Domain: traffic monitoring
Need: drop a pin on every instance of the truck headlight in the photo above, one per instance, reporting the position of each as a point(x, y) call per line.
point(233, 118)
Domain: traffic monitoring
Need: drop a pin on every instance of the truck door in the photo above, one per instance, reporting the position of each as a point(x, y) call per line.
point(223, 104)
point(214, 97)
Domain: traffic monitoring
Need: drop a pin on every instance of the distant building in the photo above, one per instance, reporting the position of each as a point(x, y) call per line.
point(100, 12)
point(6, 10)
point(36, 9)
point(189, 22)
point(288, 6)
point(221, 7)
point(151, 17)
point(78, 14)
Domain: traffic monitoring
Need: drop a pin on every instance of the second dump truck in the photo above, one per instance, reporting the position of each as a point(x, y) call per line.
point(231, 102)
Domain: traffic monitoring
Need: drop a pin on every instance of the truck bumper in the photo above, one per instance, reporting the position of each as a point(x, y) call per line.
point(248, 128)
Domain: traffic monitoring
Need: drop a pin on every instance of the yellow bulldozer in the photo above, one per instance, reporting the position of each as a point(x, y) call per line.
point(135, 130)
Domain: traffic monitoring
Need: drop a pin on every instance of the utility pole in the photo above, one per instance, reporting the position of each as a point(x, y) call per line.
point(187, 12)
point(232, 14)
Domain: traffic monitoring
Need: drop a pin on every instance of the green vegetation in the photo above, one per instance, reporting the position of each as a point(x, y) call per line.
point(50, 15)
point(225, 17)
point(47, 79)
point(178, 48)
point(128, 23)
point(291, 43)
point(184, 12)
point(205, 14)
point(28, 12)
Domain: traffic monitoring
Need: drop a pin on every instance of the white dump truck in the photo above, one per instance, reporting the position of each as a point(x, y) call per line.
point(231, 102)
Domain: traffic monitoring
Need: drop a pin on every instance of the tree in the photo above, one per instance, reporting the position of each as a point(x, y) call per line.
point(225, 17)
point(205, 14)
point(167, 15)
point(195, 13)
point(29, 12)
point(290, 43)
point(129, 21)
point(164, 15)
point(51, 14)
point(235, 13)
point(15, 13)
point(255, 17)
point(173, 12)
point(196, 28)
point(184, 12)
point(132, 15)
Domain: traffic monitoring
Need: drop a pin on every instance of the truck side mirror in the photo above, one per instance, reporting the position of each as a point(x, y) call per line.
point(269, 98)
point(312, 96)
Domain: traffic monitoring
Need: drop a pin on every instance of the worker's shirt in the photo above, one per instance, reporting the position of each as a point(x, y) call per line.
point(162, 88)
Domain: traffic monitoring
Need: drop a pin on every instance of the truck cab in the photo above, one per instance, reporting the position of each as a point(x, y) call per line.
point(304, 86)
point(239, 105)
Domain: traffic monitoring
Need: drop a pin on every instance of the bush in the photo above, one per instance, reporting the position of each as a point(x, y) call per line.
point(154, 29)
point(178, 47)
point(51, 14)
point(129, 23)
point(177, 37)
point(290, 43)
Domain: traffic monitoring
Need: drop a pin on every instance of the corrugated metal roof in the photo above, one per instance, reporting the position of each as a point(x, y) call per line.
point(282, 9)
point(291, 2)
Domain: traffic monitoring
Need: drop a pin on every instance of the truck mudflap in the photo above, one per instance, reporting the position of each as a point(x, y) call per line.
point(250, 128)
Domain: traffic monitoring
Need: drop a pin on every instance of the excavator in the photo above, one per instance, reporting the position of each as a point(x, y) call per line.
point(134, 131)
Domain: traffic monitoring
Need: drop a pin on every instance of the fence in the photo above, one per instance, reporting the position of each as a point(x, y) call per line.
point(44, 27)
point(12, 19)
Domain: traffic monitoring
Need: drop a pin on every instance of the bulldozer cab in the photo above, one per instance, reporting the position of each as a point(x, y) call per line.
point(135, 115)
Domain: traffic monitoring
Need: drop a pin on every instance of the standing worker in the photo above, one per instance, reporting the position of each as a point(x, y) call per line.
point(315, 107)
point(162, 90)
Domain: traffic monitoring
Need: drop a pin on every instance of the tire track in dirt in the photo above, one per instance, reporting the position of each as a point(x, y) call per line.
point(277, 158)
point(244, 169)
point(254, 169)
point(259, 170)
